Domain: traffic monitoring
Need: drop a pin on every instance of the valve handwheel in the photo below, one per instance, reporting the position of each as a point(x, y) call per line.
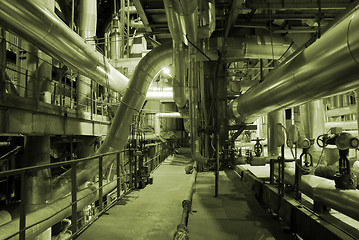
point(321, 142)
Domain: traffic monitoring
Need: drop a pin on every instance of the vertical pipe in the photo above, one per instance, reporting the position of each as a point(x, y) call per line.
point(72, 14)
point(37, 152)
point(23, 204)
point(217, 168)
point(122, 29)
point(100, 183)
point(273, 133)
point(74, 197)
point(87, 26)
point(193, 99)
point(2, 62)
point(313, 119)
point(118, 175)
point(357, 103)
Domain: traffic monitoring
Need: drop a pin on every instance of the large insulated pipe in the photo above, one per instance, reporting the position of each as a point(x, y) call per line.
point(179, 86)
point(180, 30)
point(158, 117)
point(253, 47)
point(166, 96)
point(182, 19)
point(131, 103)
point(329, 66)
point(31, 20)
point(87, 30)
point(324, 191)
point(53, 213)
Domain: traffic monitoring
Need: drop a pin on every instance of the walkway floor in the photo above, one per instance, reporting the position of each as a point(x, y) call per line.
point(154, 212)
point(234, 214)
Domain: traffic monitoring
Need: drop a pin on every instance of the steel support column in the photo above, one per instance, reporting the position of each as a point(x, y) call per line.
point(37, 185)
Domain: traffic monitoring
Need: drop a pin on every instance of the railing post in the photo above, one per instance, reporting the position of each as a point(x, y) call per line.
point(74, 197)
point(23, 207)
point(118, 175)
point(216, 174)
point(2, 62)
point(130, 156)
point(100, 179)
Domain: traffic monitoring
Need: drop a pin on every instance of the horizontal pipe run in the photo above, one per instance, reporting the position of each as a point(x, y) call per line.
point(324, 191)
point(33, 21)
point(53, 213)
point(312, 74)
point(160, 96)
point(182, 230)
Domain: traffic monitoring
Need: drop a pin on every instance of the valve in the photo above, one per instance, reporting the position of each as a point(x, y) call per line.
point(344, 178)
point(306, 158)
point(258, 148)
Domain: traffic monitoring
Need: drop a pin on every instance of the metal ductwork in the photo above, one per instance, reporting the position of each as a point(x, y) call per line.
point(131, 103)
point(179, 88)
point(253, 47)
point(329, 66)
point(33, 21)
point(163, 96)
point(182, 19)
point(87, 30)
point(158, 116)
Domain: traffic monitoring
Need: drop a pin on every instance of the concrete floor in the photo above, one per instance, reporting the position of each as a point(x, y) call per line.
point(150, 213)
point(153, 213)
point(234, 214)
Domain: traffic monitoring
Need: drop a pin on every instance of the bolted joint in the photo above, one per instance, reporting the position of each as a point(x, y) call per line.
point(181, 233)
point(186, 204)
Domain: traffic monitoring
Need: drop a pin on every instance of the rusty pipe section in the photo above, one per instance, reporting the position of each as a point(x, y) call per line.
point(329, 66)
point(130, 104)
point(33, 21)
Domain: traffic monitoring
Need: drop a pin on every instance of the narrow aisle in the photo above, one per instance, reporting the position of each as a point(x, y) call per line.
point(152, 213)
point(234, 214)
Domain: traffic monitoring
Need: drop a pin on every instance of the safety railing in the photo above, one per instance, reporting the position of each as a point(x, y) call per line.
point(29, 224)
point(22, 78)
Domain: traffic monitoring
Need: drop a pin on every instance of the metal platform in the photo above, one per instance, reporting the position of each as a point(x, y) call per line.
point(154, 212)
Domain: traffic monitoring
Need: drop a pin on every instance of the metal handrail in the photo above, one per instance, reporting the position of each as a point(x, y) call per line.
point(22, 172)
point(52, 165)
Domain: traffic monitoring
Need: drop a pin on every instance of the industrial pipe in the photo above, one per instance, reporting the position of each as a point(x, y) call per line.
point(33, 21)
point(182, 231)
point(179, 88)
point(254, 47)
point(87, 30)
point(166, 115)
point(324, 191)
point(181, 28)
point(166, 96)
point(130, 104)
point(182, 19)
point(310, 75)
point(54, 213)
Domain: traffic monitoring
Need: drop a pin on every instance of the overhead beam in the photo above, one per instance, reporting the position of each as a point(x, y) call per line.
point(297, 5)
point(142, 14)
point(243, 17)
